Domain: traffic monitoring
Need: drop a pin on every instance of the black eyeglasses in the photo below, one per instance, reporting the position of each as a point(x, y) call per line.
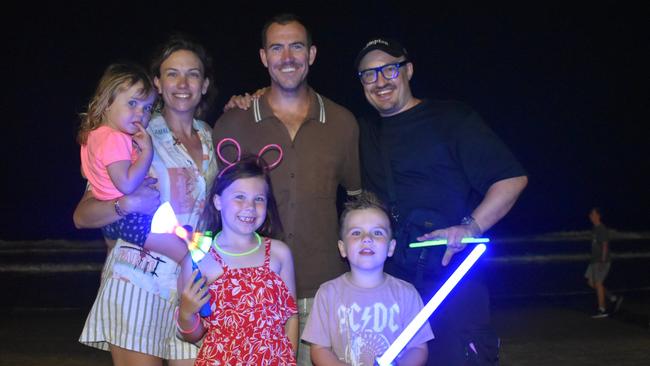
point(389, 71)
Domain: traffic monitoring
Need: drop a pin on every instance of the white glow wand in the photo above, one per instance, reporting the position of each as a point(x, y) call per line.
point(407, 334)
point(164, 221)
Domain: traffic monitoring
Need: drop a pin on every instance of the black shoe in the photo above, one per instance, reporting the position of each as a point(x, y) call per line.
point(600, 314)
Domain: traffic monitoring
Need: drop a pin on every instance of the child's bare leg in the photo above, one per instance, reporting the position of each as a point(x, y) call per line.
point(600, 293)
point(210, 268)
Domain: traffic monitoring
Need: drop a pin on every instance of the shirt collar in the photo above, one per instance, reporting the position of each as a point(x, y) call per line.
point(262, 109)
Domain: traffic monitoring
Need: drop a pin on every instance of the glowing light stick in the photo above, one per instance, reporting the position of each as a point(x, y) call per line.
point(164, 221)
point(432, 243)
point(407, 334)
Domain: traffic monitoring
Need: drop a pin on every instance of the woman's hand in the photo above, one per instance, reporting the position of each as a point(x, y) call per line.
point(145, 199)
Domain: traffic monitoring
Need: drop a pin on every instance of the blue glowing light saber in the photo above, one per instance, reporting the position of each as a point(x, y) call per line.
point(164, 221)
point(407, 334)
point(432, 243)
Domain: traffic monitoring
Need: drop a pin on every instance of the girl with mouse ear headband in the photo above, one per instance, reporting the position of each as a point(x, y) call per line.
point(259, 155)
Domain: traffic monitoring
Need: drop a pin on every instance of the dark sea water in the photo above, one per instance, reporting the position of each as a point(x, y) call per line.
point(59, 273)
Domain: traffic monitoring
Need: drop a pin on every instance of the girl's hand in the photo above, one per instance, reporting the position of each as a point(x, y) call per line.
point(143, 139)
point(195, 294)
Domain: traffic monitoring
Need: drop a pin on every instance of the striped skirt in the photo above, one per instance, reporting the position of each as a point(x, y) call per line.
point(129, 316)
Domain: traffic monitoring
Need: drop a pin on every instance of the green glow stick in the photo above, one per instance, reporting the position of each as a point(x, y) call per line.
point(433, 243)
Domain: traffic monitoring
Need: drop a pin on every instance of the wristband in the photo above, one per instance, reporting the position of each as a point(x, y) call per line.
point(197, 321)
point(118, 209)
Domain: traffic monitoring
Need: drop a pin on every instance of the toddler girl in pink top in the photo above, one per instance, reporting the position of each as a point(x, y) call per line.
point(116, 150)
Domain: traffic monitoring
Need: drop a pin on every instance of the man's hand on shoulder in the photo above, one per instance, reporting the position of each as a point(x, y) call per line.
point(243, 101)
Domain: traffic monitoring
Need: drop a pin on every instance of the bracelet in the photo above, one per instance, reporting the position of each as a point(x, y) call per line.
point(118, 209)
point(178, 325)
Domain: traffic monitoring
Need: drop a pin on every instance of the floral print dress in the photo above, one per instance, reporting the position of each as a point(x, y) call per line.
point(250, 307)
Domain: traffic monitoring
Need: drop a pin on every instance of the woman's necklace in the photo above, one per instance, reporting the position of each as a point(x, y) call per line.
point(218, 248)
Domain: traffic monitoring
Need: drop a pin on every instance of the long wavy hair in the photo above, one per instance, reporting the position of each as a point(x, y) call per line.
point(117, 78)
point(249, 166)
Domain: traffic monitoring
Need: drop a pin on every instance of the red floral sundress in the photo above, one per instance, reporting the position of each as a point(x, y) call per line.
point(250, 307)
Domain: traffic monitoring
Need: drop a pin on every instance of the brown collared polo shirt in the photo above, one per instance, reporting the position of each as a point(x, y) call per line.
point(323, 154)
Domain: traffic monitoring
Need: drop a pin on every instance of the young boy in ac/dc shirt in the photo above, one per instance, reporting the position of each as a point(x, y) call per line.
point(356, 316)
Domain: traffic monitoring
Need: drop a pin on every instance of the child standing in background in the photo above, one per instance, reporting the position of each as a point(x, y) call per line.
point(600, 263)
point(358, 315)
point(116, 150)
point(252, 291)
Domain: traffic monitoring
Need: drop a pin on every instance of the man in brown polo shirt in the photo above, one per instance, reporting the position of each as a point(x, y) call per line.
point(319, 139)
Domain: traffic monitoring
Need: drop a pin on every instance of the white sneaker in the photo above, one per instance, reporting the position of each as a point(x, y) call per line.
point(600, 314)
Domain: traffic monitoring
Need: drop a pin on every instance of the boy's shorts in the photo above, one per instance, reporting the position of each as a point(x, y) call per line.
point(597, 271)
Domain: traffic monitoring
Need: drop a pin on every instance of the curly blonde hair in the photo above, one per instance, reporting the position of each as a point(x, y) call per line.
point(116, 79)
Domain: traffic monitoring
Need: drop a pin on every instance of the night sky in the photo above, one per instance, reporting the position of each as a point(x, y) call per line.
point(564, 85)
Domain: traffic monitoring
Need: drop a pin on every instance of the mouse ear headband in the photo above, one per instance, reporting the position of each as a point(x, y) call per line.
point(262, 151)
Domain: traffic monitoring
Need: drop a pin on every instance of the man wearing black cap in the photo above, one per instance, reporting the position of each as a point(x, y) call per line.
point(431, 160)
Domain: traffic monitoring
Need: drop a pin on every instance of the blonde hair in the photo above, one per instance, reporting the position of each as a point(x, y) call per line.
point(116, 79)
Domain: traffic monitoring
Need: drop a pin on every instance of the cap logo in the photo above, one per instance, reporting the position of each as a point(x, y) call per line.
point(376, 41)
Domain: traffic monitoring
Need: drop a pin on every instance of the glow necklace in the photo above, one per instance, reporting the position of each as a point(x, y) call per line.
point(217, 247)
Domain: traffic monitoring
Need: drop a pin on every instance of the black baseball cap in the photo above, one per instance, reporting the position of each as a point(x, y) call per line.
point(388, 45)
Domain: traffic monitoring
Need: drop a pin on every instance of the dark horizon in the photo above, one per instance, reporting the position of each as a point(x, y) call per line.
point(565, 87)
